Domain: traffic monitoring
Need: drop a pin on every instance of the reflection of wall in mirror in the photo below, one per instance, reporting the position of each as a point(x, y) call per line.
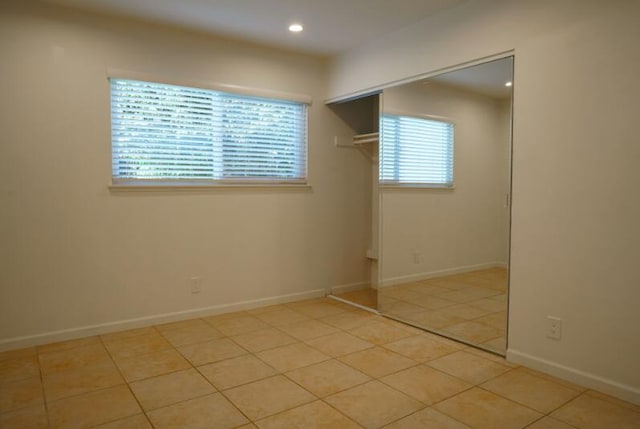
point(432, 232)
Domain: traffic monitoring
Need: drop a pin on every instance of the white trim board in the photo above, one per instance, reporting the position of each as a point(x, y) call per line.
point(392, 281)
point(120, 325)
point(605, 385)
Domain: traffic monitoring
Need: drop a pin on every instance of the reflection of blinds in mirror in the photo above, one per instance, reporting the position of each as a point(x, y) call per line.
point(416, 151)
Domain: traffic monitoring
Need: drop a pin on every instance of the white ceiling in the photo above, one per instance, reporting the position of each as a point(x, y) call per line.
point(330, 26)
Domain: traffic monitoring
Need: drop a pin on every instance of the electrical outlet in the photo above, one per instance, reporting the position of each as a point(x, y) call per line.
point(554, 327)
point(195, 284)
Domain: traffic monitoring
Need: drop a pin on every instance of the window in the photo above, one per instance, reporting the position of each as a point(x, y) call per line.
point(167, 133)
point(416, 151)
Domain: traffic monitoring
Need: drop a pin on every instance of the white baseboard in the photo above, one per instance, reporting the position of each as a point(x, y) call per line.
point(350, 287)
point(392, 281)
point(105, 328)
point(610, 387)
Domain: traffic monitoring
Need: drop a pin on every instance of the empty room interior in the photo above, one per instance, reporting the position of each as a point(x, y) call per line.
point(281, 214)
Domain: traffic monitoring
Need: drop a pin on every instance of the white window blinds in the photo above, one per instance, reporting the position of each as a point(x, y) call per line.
point(168, 132)
point(416, 151)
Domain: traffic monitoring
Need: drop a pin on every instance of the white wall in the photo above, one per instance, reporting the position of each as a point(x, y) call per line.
point(575, 235)
point(451, 230)
point(74, 254)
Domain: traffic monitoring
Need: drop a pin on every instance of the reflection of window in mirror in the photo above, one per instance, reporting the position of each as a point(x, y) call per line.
point(416, 151)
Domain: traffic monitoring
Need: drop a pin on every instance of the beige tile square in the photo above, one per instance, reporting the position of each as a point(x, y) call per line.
point(339, 344)
point(308, 329)
point(379, 332)
point(93, 408)
point(267, 397)
point(534, 392)
point(549, 423)
point(364, 297)
point(496, 320)
point(195, 333)
point(327, 378)
point(145, 366)
point(425, 384)
point(399, 308)
point(287, 358)
point(25, 418)
point(263, 339)
point(374, 404)
point(234, 372)
point(488, 304)
point(560, 381)
point(377, 362)
point(426, 419)
point(67, 345)
point(211, 351)
point(238, 324)
point(433, 319)
point(400, 293)
point(21, 394)
point(590, 412)
point(157, 392)
point(18, 369)
point(181, 324)
point(314, 415)
point(281, 316)
point(85, 379)
point(466, 311)
point(138, 345)
point(73, 359)
point(473, 332)
point(134, 422)
point(592, 393)
point(18, 353)
point(466, 295)
point(496, 358)
point(484, 410)
point(348, 319)
point(434, 302)
point(498, 345)
point(469, 367)
point(318, 309)
point(211, 411)
point(423, 348)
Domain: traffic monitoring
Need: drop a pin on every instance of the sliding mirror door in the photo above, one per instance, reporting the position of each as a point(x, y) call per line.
point(445, 156)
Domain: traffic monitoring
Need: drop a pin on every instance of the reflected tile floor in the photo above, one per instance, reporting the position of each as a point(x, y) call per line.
point(471, 306)
point(309, 364)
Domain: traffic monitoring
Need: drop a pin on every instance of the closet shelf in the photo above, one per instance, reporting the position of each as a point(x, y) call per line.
point(366, 138)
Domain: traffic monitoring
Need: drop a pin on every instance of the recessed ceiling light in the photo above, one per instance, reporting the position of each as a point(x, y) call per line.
point(508, 83)
point(295, 28)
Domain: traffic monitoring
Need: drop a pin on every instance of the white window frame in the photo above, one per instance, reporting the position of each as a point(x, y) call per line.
point(387, 183)
point(237, 91)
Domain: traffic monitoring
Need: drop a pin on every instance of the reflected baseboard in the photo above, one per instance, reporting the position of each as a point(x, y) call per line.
point(350, 287)
point(392, 281)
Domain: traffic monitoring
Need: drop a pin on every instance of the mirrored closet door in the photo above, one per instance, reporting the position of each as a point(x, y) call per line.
point(444, 186)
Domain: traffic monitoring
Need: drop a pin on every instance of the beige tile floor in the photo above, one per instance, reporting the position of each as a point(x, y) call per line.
point(311, 364)
point(470, 307)
point(367, 297)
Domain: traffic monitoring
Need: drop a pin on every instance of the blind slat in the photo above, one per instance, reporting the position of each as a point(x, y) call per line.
point(416, 151)
point(171, 132)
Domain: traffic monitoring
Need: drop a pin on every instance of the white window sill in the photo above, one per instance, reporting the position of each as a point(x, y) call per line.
point(416, 187)
point(206, 187)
